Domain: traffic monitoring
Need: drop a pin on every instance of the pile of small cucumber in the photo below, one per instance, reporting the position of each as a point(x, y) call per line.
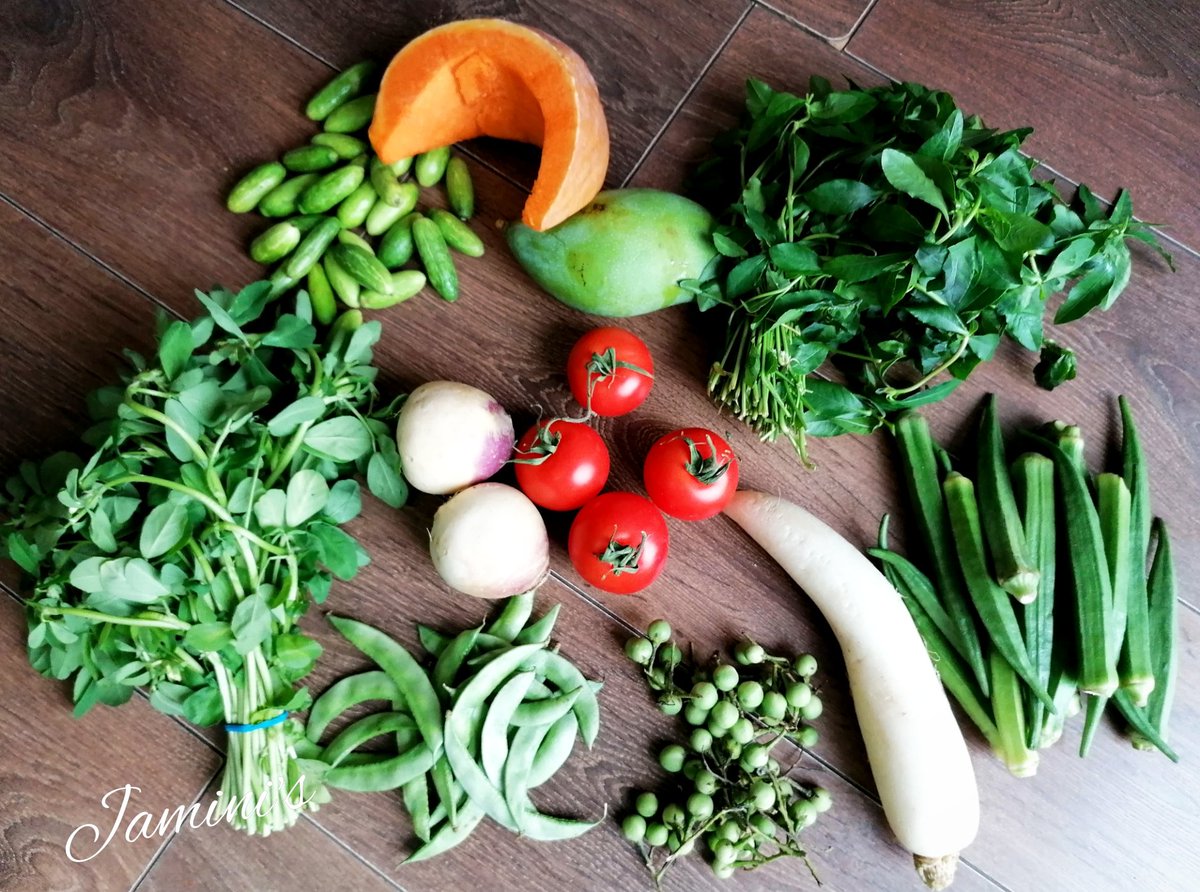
point(334, 195)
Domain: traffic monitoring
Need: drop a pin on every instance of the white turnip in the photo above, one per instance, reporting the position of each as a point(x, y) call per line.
point(489, 541)
point(451, 435)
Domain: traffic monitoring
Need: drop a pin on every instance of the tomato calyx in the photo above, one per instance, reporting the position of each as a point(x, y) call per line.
point(544, 445)
point(603, 366)
point(621, 557)
point(706, 469)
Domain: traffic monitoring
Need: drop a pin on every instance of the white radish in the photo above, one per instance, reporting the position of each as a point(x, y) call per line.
point(916, 749)
point(451, 435)
point(489, 541)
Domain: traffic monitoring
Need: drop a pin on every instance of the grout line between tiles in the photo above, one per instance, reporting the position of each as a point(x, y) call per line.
point(153, 862)
point(838, 43)
point(845, 41)
point(686, 96)
point(351, 851)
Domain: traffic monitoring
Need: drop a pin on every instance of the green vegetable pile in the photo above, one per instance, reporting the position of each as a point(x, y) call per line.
point(494, 716)
point(733, 795)
point(883, 236)
point(1072, 550)
point(336, 186)
point(180, 552)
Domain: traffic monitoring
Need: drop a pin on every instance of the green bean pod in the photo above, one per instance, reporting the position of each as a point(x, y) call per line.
point(275, 243)
point(379, 777)
point(432, 640)
point(346, 146)
point(254, 186)
point(345, 694)
point(331, 189)
point(283, 200)
point(554, 750)
point(320, 294)
point(351, 116)
point(991, 601)
point(396, 246)
point(305, 159)
point(539, 631)
point(470, 774)
point(449, 835)
point(536, 713)
point(1135, 668)
point(564, 675)
point(459, 189)
point(512, 617)
point(450, 662)
point(495, 725)
point(458, 235)
point(356, 207)
point(344, 285)
point(366, 728)
point(416, 802)
point(448, 789)
point(429, 167)
point(341, 88)
point(1002, 528)
point(319, 238)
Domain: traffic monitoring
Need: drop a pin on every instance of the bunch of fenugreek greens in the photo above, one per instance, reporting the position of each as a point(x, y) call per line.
point(179, 552)
point(883, 232)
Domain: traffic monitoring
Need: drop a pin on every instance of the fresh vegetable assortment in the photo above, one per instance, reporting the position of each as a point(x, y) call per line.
point(734, 796)
point(1090, 621)
point(180, 551)
point(887, 234)
point(492, 715)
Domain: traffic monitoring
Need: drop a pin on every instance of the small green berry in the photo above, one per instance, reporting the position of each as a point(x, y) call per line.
point(700, 806)
point(812, 709)
point(634, 828)
point(742, 730)
point(798, 695)
point(774, 706)
point(705, 694)
point(671, 758)
point(701, 740)
point(805, 665)
point(725, 677)
point(821, 799)
point(750, 694)
point(670, 704)
point(673, 815)
point(639, 650)
point(659, 631)
point(646, 805)
point(695, 714)
point(656, 834)
point(725, 714)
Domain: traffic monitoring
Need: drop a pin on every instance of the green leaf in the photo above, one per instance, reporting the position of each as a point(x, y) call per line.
point(1122, 209)
point(358, 348)
point(339, 551)
point(291, 332)
point(726, 246)
point(100, 531)
point(86, 575)
point(1087, 294)
point(205, 637)
point(22, 553)
point(132, 580)
point(344, 503)
point(219, 315)
point(893, 224)
point(251, 623)
point(945, 143)
point(939, 317)
point(290, 417)
point(270, 509)
point(341, 439)
point(840, 196)
point(385, 482)
point(1055, 366)
point(960, 271)
point(1015, 232)
point(205, 401)
point(906, 176)
point(166, 528)
point(860, 267)
point(795, 259)
point(744, 277)
point(241, 498)
point(175, 349)
point(307, 493)
point(1074, 255)
point(204, 706)
point(296, 654)
point(187, 422)
point(249, 303)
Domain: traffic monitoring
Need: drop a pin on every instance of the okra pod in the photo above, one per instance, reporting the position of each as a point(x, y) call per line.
point(1002, 528)
point(1163, 605)
point(1033, 480)
point(1113, 500)
point(1135, 668)
point(992, 602)
point(921, 480)
point(1008, 706)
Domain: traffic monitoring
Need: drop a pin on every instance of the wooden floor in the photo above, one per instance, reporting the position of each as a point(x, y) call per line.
point(122, 123)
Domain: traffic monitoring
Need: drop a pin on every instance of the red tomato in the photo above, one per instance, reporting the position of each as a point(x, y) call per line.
point(573, 467)
point(691, 473)
point(610, 371)
point(618, 542)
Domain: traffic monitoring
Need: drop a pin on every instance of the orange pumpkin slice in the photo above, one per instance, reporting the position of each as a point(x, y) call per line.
point(489, 77)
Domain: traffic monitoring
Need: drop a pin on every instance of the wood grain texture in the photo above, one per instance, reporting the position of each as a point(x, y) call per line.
point(620, 42)
point(1112, 89)
point(219, 859)
point(56, 770)
point(832, 19)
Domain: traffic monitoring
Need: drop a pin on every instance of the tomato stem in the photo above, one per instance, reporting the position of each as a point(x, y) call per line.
point(603, 366)
point(544, 445)
point(621, 557)
point(707, 470)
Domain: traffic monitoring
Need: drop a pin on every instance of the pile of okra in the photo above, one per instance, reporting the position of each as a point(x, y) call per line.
point(334, 195)
point(1029, 584)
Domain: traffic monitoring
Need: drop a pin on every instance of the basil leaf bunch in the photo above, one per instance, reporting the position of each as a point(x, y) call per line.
point(179, 554)
point(876, 245)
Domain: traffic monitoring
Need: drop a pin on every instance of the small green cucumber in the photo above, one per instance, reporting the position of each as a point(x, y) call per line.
point(364, 266)
point(282, 200)
point(344, 285)
point(430, 167)
point(435, 256)
point(355, 207)
point(275, 243)
point(405, 284)
point(344, 144)
point(306, 222)
point(459, 188)
point(254, 186)
point(396, 246)
point(280, 282)
point(458, 235)
point(334, 94)
point(402, 167)
point(346, 237)
point(310, 250)
point(351, 116)
point(383, 216)
point(320, 294)
point(387, 185)
point(309, 158)
point(331, 189)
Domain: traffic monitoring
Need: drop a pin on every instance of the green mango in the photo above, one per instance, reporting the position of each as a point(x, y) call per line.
point(622, 255)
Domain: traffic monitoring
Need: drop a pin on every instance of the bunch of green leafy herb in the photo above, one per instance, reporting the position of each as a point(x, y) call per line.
point(885, 237)
point(179, 555)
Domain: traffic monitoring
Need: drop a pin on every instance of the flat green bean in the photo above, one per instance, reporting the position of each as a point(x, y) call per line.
point(537, 713)
point(450, 660)
point(448, 789)
point(554, 750)
point(467, 772)
point(432, 640)
point(346, 693)
point(561, 673)
point(494, 733)
point(517, 768)
point(539, 631)
point(416, 802)
point(512, 617)
point(368, 727)
point(388, 774)
point(449, 835)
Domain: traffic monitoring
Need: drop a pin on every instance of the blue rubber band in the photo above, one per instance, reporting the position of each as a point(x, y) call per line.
point(257, 726)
